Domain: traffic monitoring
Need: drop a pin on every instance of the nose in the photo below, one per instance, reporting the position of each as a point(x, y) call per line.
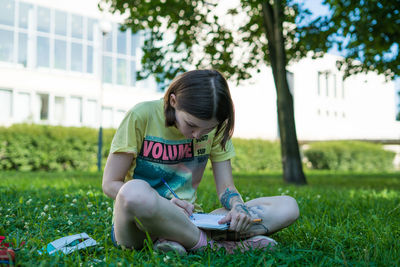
point(196, 134)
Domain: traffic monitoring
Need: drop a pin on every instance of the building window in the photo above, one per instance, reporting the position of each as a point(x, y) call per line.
point(43, 52)
point(334, 86)
point(107, 69)
point(43, 106)
point(90, 29)
point(60, 21)
point(107, 117)
point(327, 83)
point(23, 49)
point(75, 111)
point(327, 76)
point(121, 71)
point(108, 42)
point(43, 19)
point(6, 45)
point(119, 62)
point(121, 42)
point(91, 113)
point(89, 59)
point(77, 26)
point(5, 104)
point(59, 109)
point(60, 54)
point(64, 41)
point(23, 17)
point(7, 12)
point(320, 82)
point(23, 105)
point(76, 57)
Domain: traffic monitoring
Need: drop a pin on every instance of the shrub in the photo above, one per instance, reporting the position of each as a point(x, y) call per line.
point(349, 156)
point(256, 155)
point(28, 147)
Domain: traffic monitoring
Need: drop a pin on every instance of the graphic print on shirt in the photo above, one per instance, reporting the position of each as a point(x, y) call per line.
point(166, 153)
point(177, 161)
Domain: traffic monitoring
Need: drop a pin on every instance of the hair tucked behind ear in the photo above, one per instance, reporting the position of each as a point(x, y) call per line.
point(205, 95)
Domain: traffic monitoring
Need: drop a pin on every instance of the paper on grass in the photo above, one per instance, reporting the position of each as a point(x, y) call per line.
point(68, 244)
point(209, 221)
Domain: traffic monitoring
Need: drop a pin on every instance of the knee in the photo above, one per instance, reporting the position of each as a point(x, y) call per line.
point(138, 198)
point(292, 208)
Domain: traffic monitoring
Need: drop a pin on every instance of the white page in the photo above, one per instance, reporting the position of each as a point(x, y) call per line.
point(209, 221)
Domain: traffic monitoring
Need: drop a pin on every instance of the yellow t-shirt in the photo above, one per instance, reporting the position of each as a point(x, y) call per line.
point(161, 151)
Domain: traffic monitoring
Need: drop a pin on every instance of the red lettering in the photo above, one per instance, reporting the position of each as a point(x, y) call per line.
point(157, 151)
point(188, 151)
point(172, 154)
point(181, 152)
point(147, 147)
point(164, 156)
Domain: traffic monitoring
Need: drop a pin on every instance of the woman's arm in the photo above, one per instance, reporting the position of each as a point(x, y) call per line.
point(115, 171)
point(239, 216)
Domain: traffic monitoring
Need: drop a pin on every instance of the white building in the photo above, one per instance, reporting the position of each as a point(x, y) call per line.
point(50, 73)
point(50, 65)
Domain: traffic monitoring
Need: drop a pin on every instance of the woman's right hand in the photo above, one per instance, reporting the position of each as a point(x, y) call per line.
point(186, 207)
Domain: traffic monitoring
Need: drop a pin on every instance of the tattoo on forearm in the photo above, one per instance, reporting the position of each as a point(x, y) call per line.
point(242, 207)
point(226, 198)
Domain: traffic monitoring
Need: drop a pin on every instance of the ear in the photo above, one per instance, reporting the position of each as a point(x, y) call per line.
point(172, 100)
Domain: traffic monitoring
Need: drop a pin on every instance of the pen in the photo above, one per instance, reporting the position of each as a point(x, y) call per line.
point(254, 221)
point(172, 191)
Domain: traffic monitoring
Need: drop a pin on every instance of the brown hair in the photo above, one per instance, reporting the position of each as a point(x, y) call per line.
point(205, 95)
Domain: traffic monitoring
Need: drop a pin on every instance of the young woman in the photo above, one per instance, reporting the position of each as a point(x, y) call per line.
point(172, 139)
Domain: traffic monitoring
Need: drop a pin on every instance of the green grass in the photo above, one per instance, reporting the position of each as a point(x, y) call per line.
point(346, 219)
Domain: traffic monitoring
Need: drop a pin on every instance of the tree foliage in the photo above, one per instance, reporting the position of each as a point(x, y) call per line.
point(179, 34)
point(366, 32)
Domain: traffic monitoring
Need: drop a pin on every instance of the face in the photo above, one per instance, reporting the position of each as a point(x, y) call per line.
point(191, 126)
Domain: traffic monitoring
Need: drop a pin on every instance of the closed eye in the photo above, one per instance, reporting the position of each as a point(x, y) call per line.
point(191, 125)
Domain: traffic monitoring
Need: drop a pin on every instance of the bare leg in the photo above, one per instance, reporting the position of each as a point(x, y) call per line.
point(135, 201)
point(276, 213)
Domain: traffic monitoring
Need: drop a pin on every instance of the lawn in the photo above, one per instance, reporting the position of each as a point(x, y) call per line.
point(346, 219)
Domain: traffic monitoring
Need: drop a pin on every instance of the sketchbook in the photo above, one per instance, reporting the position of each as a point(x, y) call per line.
point(209, 221)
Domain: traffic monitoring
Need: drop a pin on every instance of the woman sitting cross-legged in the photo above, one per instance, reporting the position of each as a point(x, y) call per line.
point(167, 143)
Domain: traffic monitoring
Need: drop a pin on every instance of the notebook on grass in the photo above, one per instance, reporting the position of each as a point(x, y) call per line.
point(209, 221)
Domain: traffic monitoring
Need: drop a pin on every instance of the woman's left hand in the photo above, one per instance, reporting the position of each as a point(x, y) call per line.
point(239, 218)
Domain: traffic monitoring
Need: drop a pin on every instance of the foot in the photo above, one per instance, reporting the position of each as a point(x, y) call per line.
point(167, 245)
point(256, 242)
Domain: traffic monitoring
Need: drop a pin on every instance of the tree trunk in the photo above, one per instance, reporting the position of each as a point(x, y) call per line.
point(291, 162)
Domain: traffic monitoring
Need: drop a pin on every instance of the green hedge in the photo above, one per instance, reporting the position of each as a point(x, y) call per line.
point(349, 156)
point(256, 155)
point(29, 147)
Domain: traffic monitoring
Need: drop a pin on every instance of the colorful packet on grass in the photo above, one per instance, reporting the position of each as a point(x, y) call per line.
point(69, 244)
